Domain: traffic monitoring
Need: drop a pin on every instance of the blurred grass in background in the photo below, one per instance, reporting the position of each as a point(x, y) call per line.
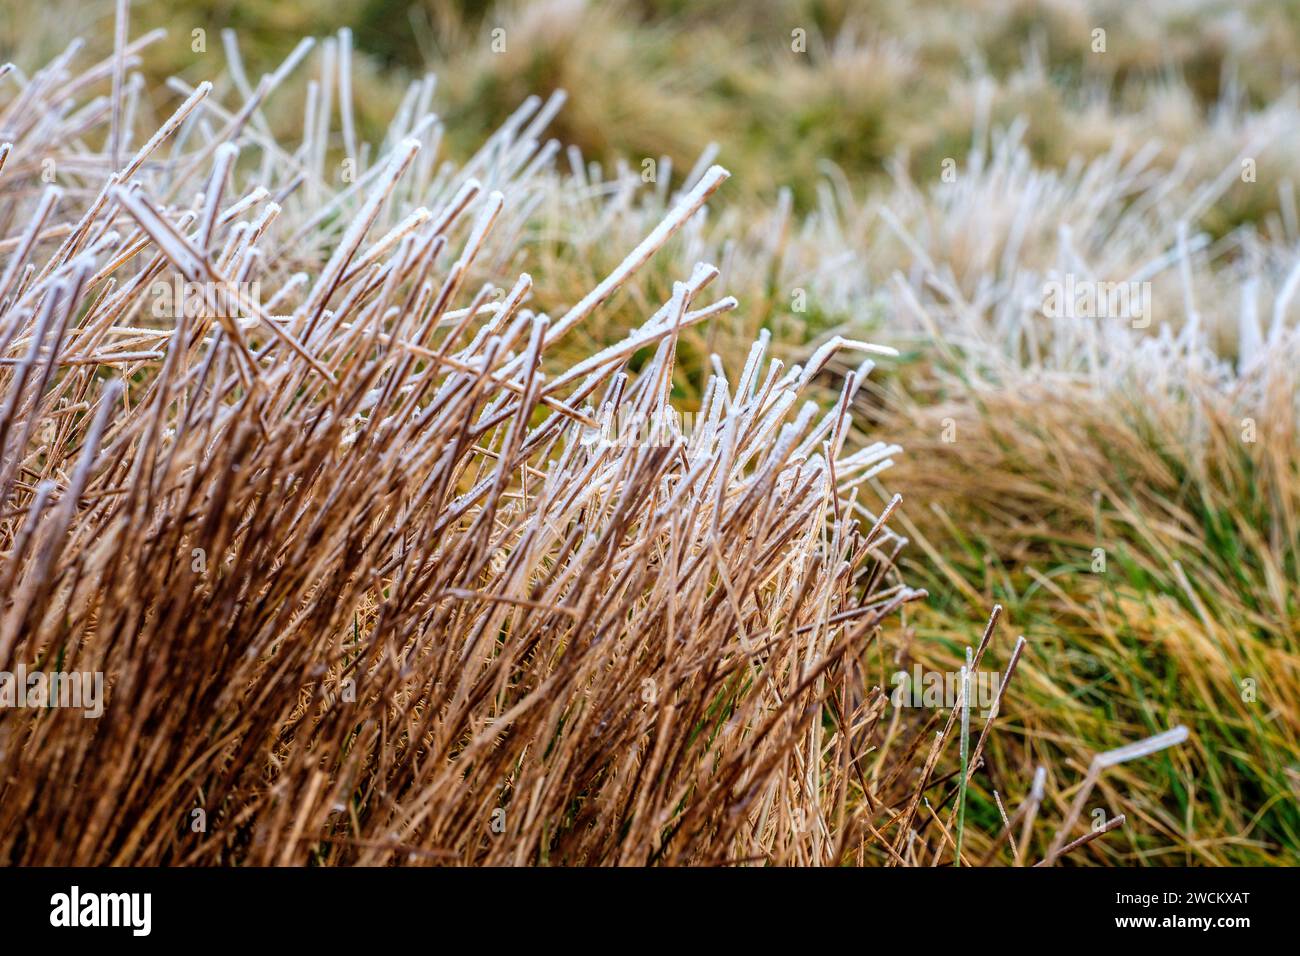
point(877, 79)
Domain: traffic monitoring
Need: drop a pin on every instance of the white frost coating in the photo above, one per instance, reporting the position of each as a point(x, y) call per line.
point(1143, 748)
point(661, 233)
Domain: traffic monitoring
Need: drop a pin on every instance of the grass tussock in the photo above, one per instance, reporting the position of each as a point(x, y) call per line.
point(366, 583)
